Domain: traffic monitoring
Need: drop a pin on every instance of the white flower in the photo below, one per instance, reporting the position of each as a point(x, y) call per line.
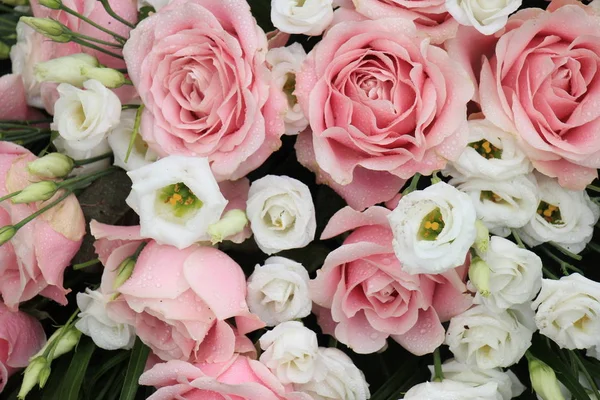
point(278, 291)
point(285, 62)
point(177, 198)
point(433, 229)
point(281, 213)
point(339, 378)
point(487, 17)
point(290, 352)
point(515, 275)
point(508, 383)
point(65, 147)
point(452, 390)
point(568, 311)
point(492, 154)
point(119, 139)
point(157, 4)
point(24, 55)
point(84, 117)
point(95, 323)
point(502, 204)
point(308, 17)
point(564, 217)
point(594, 352)
point(488, 339)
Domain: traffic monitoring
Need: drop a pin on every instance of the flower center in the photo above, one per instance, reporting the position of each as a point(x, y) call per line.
point(486, 149)
point(432, 225)
point(550, 213)
point(288, 89)
point(491, 196)
point(180, 199)
point(277, 216)
point(581, 322)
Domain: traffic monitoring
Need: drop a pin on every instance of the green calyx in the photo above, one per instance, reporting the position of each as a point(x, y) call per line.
point(432, 225)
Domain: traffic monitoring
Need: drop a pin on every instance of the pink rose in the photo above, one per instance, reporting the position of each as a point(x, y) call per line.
point(34, 260)
point(178, 300)
point(21, 336)
point(430, 16)
point(363, 296)
point(199, 67)
point(539, 79)
point(238, 378)
point(14, 100)
point(383, 104)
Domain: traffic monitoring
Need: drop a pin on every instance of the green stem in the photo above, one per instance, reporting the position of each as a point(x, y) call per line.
point(518, 239)
point(594, 247)
point(26, 122)
point(39, 212)
point(92, 23)
point(99, 41)
point(549, 273)
point(565, 251)
point(594, 188)
point(134, 132)
point(437, 365)
point(587, 375)
point(565, 266)
point(8, 22)
point(8, 196)
point(113, 14)
point(85, 264)
point(138, 251)
point(49, 353)
point(413, 184)
point(86, 161)
point(81, 181)
point(93, 46)
point(130, 106)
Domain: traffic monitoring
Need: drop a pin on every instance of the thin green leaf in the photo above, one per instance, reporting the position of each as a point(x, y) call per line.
point(396, 382)
point(137, 361)
point(52, 389)
point(108, 365)
point(72, 380)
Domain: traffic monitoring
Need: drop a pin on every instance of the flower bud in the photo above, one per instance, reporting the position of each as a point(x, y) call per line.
point(111, 78)
point(4, 51)
point(543, 380)
point(44, 375)
point(53, 4)
point(31, 376)
point(50, 28)
point(67, 69)
point(6, 233)
point(479, 275)
point(38, 191)
point(232, 223)
point(67, 342)
point(124, 272)
point(53, 165)
point(482, 240)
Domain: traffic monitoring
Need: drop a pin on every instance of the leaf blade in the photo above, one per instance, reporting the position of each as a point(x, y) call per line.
point(137, 361)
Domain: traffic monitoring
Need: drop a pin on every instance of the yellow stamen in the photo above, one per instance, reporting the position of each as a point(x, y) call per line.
point(486, 146)
point(428, 225)
point(435, 226)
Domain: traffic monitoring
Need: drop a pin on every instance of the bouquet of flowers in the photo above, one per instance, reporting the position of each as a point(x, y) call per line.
point(299, 199)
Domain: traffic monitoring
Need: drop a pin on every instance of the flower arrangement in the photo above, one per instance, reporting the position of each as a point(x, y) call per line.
point(299, 199)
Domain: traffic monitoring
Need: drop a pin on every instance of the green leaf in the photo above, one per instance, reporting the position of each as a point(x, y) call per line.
point(52, 389)
point(137, 361)
point(72, 380)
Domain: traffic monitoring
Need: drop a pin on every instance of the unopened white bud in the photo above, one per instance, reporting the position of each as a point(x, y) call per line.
point(543, 380)
point(232, 223)
point(482, 240)
point(53, 165)
point(39, 191)
point(479, 275)
point(111, 78)
point(31, 376)
point(50, 28)
point(66, 69)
